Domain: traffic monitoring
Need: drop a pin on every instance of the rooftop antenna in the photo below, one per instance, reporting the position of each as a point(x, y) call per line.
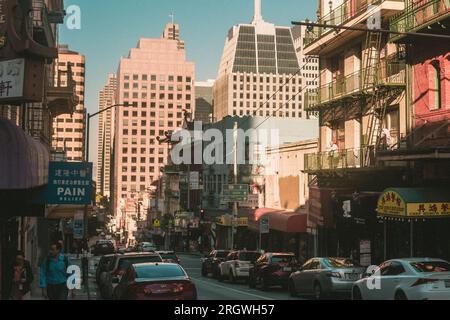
point(258, 16)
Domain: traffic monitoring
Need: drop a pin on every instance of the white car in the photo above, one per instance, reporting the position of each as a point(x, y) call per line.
point(237, 265)
point(406, 279)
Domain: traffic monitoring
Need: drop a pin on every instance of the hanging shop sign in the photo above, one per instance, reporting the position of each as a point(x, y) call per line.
point(414, 203)
point(70, 183)
point(78, 225)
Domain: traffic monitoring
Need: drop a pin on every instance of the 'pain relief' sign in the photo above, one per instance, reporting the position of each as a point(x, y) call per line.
point(70, 183)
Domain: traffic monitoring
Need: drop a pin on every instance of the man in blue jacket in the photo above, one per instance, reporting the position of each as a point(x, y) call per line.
point(53, 275)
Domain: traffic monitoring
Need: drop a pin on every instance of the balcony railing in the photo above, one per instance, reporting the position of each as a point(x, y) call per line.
point(388, 74)
point(340, 15)
point(340, 159)
point(419, 15)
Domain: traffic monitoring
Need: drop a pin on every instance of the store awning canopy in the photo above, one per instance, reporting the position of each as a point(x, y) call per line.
point(23, 161)
point(414, 203)
point(280, 220)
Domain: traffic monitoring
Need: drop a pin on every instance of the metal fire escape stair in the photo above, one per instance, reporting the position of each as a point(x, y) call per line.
point(376, 102)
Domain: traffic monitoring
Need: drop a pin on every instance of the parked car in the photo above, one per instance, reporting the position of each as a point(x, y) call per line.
point(155, 281)
point(103, 247)
point(210, 264)
point(237, 265)
point(103, 265)
point(323, 277)
point(169, 256)
point(146, 247)
point(110, 278)
point(272, 269)
point(406, 279)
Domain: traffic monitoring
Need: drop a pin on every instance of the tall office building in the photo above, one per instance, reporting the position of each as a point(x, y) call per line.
point(258, 59)
point(156, 83)
point(105, 136)
point(69, 130)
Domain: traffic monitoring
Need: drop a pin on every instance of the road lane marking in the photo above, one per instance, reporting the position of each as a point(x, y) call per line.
point(231, 289)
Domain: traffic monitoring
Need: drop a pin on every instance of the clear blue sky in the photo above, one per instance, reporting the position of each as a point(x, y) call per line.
point(109, 28)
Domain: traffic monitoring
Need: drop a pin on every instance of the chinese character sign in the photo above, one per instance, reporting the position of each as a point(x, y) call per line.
point(12, 73)
point(70, 183)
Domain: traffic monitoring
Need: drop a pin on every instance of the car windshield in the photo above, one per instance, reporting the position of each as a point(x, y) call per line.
point(222, 254)
point(158, 272)
point(283, 259)
point(249, 256)
point(124, 263)
point(431, 266)
point(172, 256)
point(340, 263)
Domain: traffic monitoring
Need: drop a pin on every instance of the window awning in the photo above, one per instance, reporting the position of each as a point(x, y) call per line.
point(280, 220)
point(414, 203)
point(23, 161)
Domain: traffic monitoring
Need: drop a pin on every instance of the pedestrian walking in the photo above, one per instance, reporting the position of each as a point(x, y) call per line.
point(53, 275)
point(22, 277)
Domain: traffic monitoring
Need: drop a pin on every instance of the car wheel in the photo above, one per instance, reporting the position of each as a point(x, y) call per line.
point(400, 295)
point(317, 291)
point(231, 277)
point(204, 272)
point(356, 294)
point(291, 288)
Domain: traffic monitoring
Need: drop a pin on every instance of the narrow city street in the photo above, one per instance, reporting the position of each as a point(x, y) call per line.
point(211, 289)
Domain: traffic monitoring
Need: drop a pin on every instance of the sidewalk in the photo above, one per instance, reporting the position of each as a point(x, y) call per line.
point(82, 294)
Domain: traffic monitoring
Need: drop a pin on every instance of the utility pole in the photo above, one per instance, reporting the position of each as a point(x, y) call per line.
point(235, 171)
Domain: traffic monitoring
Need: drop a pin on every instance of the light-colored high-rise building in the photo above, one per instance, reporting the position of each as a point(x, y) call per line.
point(259, 73)
point(105, 136)
point(69, 130)
point(156, 82)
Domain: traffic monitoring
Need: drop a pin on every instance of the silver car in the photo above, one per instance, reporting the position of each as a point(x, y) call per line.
point(321, 277)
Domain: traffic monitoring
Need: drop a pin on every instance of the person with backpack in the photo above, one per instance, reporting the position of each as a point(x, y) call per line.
point(53, 280)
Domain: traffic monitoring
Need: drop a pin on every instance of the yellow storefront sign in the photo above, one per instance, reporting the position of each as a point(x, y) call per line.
point(226, 221)
point(414, 203)
point(428, 209)
point(391, 204)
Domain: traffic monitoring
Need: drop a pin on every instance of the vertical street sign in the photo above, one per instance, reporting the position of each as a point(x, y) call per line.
point(264, 225)
point(78, 225)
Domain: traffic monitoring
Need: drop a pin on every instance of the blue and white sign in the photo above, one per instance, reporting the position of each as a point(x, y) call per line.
point(70, 183)
point(264, 225)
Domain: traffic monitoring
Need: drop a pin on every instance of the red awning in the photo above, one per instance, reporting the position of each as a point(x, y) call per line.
point(280, 220)
point(23, 160)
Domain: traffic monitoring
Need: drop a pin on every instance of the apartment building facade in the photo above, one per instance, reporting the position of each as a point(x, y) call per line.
point(69, 129)
point(362, 111)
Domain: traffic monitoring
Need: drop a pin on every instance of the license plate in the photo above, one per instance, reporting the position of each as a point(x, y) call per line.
point(352, 276)
point(287, 269)
point(447, 283)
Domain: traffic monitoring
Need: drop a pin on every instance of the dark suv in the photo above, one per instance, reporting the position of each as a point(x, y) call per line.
point(211, 262)
point(103, 247)
point(272, 269)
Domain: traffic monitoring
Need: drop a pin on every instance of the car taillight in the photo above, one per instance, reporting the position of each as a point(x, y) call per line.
point(147, 291)
point(178, 288)
point(334, 275)
point(422, 281)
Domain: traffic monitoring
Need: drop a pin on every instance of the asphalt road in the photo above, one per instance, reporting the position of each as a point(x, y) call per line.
point(211, 289)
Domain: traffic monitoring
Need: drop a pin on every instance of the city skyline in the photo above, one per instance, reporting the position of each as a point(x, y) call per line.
point(193, 20)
